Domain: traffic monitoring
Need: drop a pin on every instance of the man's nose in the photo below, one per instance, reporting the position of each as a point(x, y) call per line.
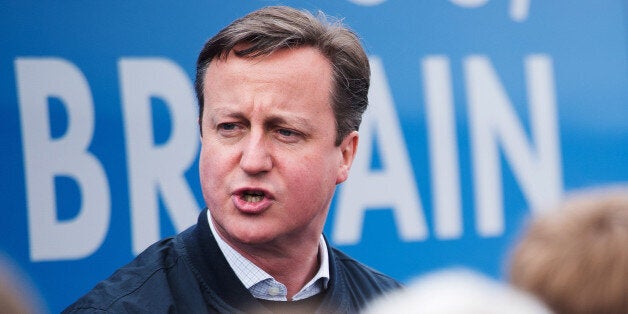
point(256, 157)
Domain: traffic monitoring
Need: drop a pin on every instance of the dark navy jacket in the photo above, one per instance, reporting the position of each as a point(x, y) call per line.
point(189, 274)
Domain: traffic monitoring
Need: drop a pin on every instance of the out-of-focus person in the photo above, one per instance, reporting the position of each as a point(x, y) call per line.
point(17, 295)
point(575, 258)
point(457, 291)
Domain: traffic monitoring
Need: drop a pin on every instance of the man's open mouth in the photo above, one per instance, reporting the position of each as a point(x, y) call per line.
point(252, 196)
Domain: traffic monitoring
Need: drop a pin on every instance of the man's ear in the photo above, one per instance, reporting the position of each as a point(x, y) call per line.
point(348, 149)
point(200, 126)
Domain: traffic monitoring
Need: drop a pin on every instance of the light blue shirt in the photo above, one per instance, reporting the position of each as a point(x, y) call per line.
point(264, 286)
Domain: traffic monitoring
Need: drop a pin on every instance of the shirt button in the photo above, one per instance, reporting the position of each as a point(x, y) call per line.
point(274, 291)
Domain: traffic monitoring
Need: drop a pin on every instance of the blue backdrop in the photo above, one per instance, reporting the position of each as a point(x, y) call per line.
point(482, 113)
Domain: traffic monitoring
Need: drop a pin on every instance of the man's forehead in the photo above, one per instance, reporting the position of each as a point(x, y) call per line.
point(302, 68)
point(289, 56)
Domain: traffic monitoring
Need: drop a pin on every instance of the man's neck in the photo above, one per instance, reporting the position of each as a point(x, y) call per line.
point(294, 265)
point(294, 272)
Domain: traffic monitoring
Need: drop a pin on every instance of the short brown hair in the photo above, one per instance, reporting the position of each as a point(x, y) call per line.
point(576, 259)
point(278, 27)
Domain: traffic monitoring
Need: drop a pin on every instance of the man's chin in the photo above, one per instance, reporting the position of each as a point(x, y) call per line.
point(247, 236)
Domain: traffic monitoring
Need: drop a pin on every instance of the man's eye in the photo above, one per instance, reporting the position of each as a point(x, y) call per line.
point(227, 126)
point(286, 132)
point(289, 136)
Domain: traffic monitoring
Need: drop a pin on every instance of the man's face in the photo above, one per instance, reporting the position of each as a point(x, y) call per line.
point(268, 162)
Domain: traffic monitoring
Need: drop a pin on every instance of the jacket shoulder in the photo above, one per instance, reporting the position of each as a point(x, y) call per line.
point(148, 271)
point(363, 277)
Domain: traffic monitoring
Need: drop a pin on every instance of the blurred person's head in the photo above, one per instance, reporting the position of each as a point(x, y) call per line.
point(575, 258)
point(457, 291)
point(17, 294)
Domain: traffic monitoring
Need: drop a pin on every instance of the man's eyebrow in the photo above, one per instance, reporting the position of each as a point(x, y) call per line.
point(295, 121)
point(224, 112)
point(272, 120)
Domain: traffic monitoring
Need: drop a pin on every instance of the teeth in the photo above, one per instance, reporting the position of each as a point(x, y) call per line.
point(253, 197)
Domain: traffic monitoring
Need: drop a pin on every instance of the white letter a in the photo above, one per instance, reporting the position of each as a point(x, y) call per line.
point(391, 187)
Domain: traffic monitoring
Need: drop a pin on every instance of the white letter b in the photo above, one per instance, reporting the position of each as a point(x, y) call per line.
point(46, 158)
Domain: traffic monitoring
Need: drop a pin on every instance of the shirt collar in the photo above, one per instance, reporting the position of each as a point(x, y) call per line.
point(252, 277)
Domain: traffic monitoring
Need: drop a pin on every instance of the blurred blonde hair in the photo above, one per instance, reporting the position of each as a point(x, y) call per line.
point(575, 258)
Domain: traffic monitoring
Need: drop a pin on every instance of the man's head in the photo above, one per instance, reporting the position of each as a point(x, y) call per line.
point(274, 28)
point(281, 97)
